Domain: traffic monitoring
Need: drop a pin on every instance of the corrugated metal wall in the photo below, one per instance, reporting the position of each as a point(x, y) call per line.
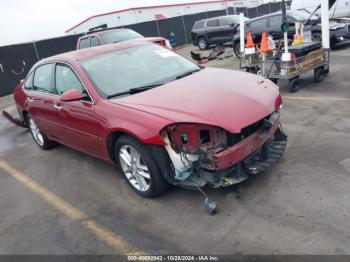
point(16, 60)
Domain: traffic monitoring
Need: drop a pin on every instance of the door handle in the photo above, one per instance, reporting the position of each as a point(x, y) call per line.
point(30, 100)
point(57, 107)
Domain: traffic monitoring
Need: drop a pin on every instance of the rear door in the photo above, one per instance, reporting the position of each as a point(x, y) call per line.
point(212, 30)
point(41, 98)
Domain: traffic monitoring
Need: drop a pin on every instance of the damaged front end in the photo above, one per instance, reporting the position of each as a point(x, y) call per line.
point(209, 155)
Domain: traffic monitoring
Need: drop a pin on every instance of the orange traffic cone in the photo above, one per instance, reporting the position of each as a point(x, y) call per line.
point(264, 46)
point(250, 42)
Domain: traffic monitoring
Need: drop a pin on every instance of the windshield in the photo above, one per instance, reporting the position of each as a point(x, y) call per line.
point(301, 15)
point(135, 67)
point(119, 36)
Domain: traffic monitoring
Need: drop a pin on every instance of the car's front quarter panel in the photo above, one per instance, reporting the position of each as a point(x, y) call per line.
point(143, 126)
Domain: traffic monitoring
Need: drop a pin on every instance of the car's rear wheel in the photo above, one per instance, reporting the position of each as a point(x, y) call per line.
point(40, 139)
point(202, 43)
point(139, 167)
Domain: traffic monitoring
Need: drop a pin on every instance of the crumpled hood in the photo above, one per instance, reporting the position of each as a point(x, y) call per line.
point(225, 98)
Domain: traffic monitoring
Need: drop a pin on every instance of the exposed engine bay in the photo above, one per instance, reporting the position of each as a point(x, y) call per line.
point(203, 154)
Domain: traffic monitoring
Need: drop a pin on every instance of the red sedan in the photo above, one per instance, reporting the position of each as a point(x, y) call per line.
point(161, 118)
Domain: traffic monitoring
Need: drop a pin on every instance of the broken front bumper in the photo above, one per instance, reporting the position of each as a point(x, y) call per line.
point(249, 157)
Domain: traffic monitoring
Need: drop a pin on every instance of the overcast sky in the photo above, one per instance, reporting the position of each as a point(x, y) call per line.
point(24, 20)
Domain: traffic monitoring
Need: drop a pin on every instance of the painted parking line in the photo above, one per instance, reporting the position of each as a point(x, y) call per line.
point(117, 242)
point(316, 98)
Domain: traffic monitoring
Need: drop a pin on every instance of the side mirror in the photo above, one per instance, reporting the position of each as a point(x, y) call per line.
point(71, 95)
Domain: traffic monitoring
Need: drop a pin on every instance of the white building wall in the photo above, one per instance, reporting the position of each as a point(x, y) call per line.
point(148, 14)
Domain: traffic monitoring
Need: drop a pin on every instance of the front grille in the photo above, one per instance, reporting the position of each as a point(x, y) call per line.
point(247, 131)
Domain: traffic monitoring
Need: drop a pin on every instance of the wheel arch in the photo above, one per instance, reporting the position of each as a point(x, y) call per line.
point(157, 149)
point(202, 36)
point(24, 116)
point(116, 134)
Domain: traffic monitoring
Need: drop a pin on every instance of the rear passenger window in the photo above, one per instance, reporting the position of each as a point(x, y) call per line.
point(43, 79)
point(225, 22)
point(84, 43)
point(198, 25)
point(29, 82)
point(212, 23)
point(94, 41)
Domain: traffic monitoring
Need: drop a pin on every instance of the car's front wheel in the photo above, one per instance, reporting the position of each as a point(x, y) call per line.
point(202, 43)
point(139, 167)
point(40, 139)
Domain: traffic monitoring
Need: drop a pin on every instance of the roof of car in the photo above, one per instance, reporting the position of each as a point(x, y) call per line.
point(93, 51)
point(216, 17)
point(98, 32)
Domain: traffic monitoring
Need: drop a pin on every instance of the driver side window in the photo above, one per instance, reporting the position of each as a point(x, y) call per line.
point(66, 79)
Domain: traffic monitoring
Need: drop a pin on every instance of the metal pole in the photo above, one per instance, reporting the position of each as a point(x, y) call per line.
point(241, 32)
point(184, 26)
point(36, 51)
point(158, 27)
point(325, 23)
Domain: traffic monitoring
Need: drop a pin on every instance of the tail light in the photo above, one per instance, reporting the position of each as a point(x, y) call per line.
point(278, 102)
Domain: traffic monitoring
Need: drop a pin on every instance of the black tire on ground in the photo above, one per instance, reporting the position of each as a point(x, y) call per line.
point(237, 49)
point(158, 184)
point(333, 44)
point(294, 85)
point(252, 70)
point(326, 70)
point(316, 36)
point(202, 43)
point(319, 74)
point(39, 138)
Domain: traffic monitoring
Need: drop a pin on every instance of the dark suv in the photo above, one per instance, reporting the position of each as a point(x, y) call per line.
point(212, 31)
point(271, 24)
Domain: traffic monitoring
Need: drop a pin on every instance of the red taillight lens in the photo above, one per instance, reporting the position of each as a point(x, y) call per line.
point(278, 102)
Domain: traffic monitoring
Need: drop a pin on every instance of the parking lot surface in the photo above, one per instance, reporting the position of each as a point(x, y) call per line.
point(65, 202)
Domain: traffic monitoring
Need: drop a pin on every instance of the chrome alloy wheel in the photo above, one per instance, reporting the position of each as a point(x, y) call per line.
point(202, 43)
point(134, 168)
point(36, 132)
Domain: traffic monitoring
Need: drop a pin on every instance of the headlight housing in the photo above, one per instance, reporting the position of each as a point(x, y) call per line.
point(336, 26)
point(193, 138)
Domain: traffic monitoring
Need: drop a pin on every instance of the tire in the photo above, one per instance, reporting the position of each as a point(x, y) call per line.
point(252, 70)
point(294, 85)
point(237, 49)
point(316, 36)
point(139, 167)
point(40, 139)
point(333, 44)
point(202, 43)
point(319, 74)
point(274, 80)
